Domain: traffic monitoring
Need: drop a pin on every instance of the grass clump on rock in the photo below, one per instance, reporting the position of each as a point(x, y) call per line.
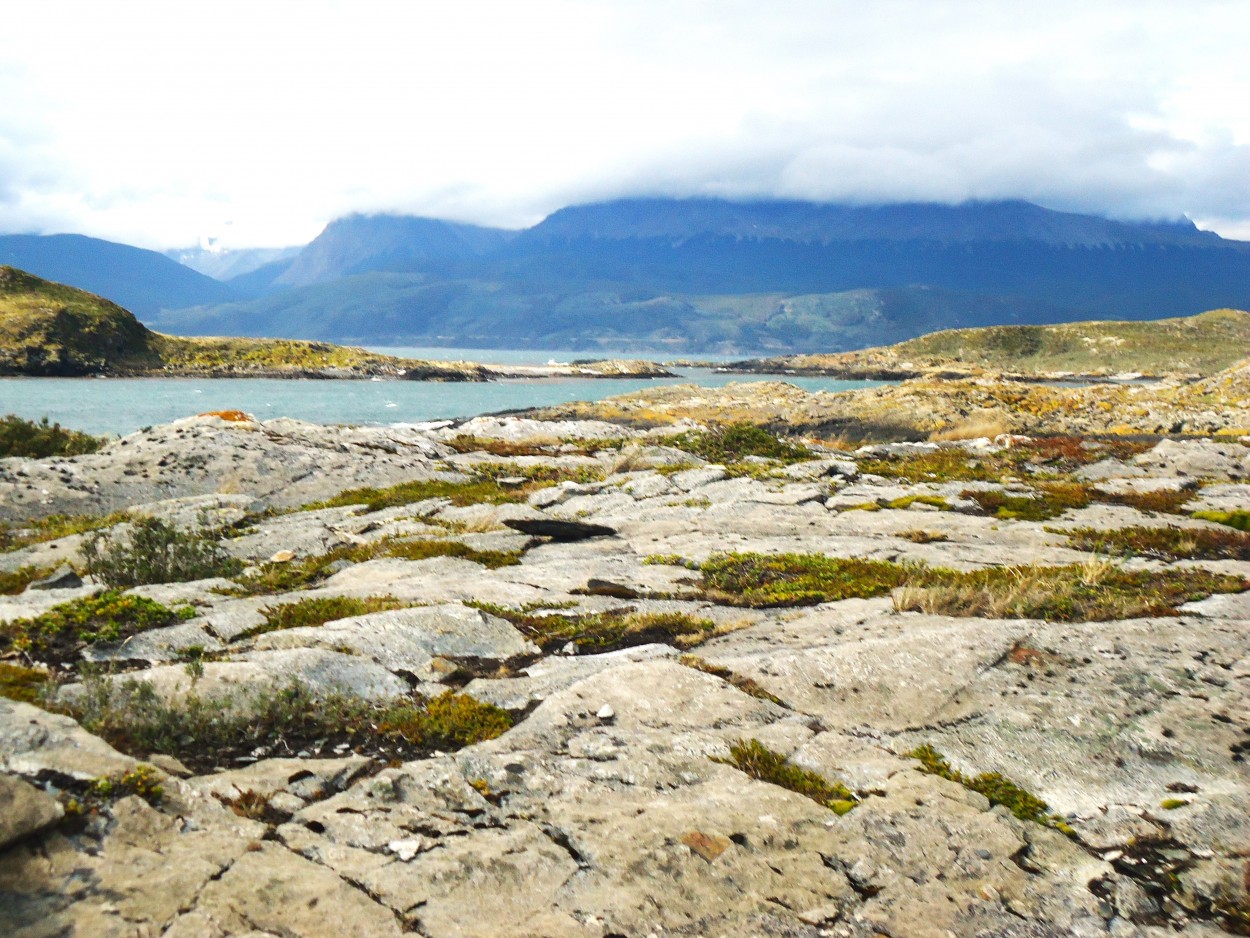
point(1233, 519)
point(13, 582)
point(1164, 543)
point(318, 610)
point(152, 551)
point(994, 786)
point(749, 579)
point(1051, 500)
point(28, 685)
point(59, 635)
point(53, 527)
point(763, 764)
point(1091, 592)
point(205, 733)
point(747, 685)
point(41, 440)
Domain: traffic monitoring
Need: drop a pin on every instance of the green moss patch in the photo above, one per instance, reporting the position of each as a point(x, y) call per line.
point(796, 579)
point(994, 786)
point(595, 633)
point(1049, 501)
point(1164, 543)
point(209, 733)
point(58, 636)
point(763, 764)
point(1233, 519)
point(13, 582)
point(735, 442)
point(21, 683)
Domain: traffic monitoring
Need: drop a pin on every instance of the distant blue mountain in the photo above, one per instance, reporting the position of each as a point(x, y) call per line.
point(144, 282)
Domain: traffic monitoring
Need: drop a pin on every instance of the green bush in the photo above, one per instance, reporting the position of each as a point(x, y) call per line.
point(155, 552)
point(735, 442)
point(40, 440)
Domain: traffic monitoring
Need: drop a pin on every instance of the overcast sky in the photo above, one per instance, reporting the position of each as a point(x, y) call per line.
point(161, 123)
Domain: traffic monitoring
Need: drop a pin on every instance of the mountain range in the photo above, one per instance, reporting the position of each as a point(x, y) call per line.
point(692, 275)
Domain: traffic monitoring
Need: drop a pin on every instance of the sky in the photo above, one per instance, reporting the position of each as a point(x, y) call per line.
point(162, 124)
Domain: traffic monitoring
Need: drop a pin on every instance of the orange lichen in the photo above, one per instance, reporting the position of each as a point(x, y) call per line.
point(233, 416)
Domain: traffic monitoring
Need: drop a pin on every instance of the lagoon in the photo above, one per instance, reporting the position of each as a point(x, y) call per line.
point(122, 405)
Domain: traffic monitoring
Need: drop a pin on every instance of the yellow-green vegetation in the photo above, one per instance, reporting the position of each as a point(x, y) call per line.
point(994, 786)
point(48, 328)
point(306, 571)
point(1163, 543)
point(736, 441)
point(483, 490)
point(28, 685)
point(598, 632)
point(1233, 519)
point(745, 684)
point(59, 635)
point(142, 780)
point(1204, 344)
point(901, 504)
point(1045, 458)
point(53, 527)
point(318, 610)
point(13, 582)
point(205, 733)
point(1049, 500)
point(151, 551)
point(750, 579)
point(671, 560)
point(763, 764)
point(1172, 804)
point(41, 440)
point(1092, 592)
point(921, 536)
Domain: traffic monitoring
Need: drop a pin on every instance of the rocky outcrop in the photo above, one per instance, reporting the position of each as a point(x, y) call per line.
point(614, 804)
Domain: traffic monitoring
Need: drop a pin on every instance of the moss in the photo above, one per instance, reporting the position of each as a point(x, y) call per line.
point(901, 504)
point(745, 684)
point(1171, 804)
point(1166, 501)
point(763, 764)
point(142, 780)
point(451, 721)
point(923, 537)
point(670, 560)
point(1163, 543)
point(54, 527)
point(996, 787)
point(318, 610)
point(58, 635)
point(605, 631)
point(13, 582)
point(796, 579)
point(1051, 500)
point(1233, 519)
point(41, 440)
point(29, 685)
point(472, 492)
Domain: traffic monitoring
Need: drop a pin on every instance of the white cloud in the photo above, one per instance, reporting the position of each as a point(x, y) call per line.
point(159, 123)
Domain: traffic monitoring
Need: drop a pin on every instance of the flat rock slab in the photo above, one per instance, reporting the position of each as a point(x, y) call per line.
point(407, 640)
point(559, 530)
point(33, 741)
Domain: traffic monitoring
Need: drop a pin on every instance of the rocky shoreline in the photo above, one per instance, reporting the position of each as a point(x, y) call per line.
point(685, 682)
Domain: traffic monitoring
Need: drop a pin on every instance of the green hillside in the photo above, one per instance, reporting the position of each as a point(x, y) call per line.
point(48, 329)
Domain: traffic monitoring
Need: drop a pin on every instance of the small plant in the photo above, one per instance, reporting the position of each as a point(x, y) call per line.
point(449, 722)
point(1172, 804)
point(923, 537)
point(758, 761)
point(670, 560)
point(796, 579)
point(1052, 499)
point(994, 786)
point(142, 780)
point(13, 582)
point(155, 552)
point(606, 631)
point(59, 635)
point(53, 527)
point(41, 440)
point(901, 504)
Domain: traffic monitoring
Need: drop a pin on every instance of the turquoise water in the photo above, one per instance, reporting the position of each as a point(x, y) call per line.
point(123, 405)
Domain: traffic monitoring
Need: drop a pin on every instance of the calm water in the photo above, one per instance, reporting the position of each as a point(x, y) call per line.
point(123, 405)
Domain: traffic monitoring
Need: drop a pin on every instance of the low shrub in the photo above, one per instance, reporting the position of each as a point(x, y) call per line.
point(605, 631)
point(763, 764)
point(41, 440)
point(735, 442)
point(155, 552)
point(318, 610)
point(1051, 500)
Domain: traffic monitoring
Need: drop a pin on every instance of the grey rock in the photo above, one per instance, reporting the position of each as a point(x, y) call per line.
point(559, 530)
point(65, 577)
point(24, 810)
